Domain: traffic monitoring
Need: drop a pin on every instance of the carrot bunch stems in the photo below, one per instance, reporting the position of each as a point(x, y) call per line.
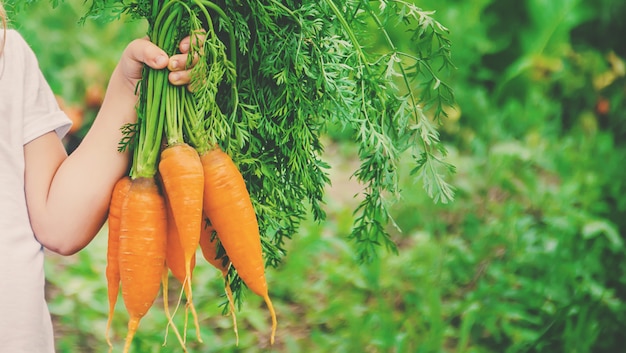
point(148, 141)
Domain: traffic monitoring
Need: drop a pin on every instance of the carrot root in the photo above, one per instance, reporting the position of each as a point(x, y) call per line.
point(208, 246)
point(120, 191)
point(192, 307)
point(133, 325)
point(231, 305)
point(183, 180)
point(142, 249)
point(229, 208)
point(166, 308)
point(270, 306)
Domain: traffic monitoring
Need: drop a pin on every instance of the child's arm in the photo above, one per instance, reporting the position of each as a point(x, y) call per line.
point(68, 197)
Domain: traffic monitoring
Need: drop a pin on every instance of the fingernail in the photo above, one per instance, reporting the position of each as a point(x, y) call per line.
point(184, 46)
point(161, 60)
point(174, 64)
point(175, 76)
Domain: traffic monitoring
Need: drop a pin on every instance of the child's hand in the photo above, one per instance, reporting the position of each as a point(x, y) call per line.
point(142, 51)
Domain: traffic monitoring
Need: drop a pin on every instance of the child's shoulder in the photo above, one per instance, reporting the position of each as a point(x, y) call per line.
point(17, 59)
point(17, 49)
point(15, 39)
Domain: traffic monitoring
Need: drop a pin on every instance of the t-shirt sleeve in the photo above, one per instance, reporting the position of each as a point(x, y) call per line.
point(42, 113)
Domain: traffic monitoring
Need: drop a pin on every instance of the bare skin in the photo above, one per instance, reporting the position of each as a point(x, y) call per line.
point(68, 196)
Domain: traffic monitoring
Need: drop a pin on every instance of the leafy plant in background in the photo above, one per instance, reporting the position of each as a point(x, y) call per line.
point(541, 100)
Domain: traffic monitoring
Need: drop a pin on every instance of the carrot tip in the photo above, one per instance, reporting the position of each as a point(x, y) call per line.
point(273, 314)
point(106, 334)
point(133, 324)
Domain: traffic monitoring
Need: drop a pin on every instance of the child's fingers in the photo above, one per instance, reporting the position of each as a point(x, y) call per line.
point(180, 70)
point(180, 77)
point(198, 38)
point(198, 43)
point(179, 62)
point(184, 44)
point(180, 65)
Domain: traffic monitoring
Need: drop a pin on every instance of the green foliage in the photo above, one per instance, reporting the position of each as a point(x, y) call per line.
point(305, 67)
point(538, 201)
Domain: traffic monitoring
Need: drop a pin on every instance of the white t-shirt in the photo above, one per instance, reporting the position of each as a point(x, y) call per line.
point(28, 110)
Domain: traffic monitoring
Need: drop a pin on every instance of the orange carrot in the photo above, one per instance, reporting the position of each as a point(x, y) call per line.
point(174, 254)
point(228, 206)
point(175, 261)
point(208, 245)
point(183, 181)
point(143, 227)
point(120, 191)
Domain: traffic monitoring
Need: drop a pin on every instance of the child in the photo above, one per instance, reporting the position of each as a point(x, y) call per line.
point(49, 199)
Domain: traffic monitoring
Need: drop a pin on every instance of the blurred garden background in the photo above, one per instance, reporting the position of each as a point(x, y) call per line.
point(529, 257)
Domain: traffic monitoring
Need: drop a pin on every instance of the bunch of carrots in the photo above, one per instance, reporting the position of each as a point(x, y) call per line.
point(183, 192)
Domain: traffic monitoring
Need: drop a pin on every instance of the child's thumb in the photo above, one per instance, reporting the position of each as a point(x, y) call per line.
point(145, 52)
